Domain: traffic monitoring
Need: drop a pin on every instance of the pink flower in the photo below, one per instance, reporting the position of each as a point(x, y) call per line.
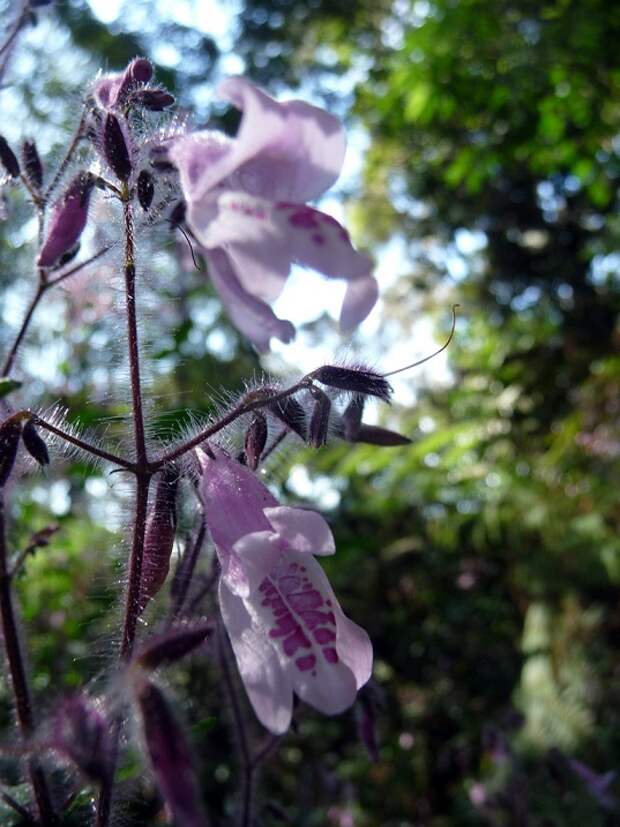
point(245, 205)
point(285, 625)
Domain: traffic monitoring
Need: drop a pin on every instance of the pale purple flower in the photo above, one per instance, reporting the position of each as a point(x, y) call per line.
point(246, 207)
point(285, 625)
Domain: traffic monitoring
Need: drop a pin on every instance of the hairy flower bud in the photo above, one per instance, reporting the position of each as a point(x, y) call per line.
point(319, 418)
point(68, 220)
point(10, 432)
point(80, 732)
point(292, 414)
point(34, 444)
point(115, 148)
point(374, 435)
point(137, 73)
point(155, 100)
point(255, 440)
point(352, 417)
point(145, 189)
point(173, 644)
point(355, 379)
point(169, 755)
point(33, 167)
point(8, 159)
point(159, 538)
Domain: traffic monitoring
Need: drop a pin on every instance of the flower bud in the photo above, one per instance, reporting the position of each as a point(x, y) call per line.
point(8, 159)
point(80, 732)
point(155, 100)
point(352, 417)
point(137, 73)
point(169, 755)
point(10, 432)
point(115, 148)
point(290, 412)
point(33, 167)
point(354, 379)
point(146, 189)
point(255, 440)
point(159, 538)
point(177, 215)
point(374, 435)
point(34, 444)
point(68, 220)
point(319, 419)
point(173, 644)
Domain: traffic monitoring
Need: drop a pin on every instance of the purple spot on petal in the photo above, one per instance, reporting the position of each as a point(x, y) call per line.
point(318, 238)
point(295, 641)
point(324, 635)
point(310, 599)
point(330, 655)
point(306, 662)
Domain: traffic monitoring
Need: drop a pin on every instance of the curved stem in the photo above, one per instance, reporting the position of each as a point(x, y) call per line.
point(85, 446)
point(77, 136)
point(10, 359)
point(19, 680)
point(239, 410)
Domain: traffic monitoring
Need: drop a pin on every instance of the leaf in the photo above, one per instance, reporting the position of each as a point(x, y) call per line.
point(8, 385)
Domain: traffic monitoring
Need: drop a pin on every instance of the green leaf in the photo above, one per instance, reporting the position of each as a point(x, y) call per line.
point(7, 386)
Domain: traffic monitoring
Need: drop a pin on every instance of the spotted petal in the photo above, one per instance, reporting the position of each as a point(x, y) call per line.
point(304, 530)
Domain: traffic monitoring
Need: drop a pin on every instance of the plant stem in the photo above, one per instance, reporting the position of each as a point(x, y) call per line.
point(67, 159)
point(143, 474)
point(242, 738)
point(85, 446)
point(10, 359)
point(19, 680)
point(185, 571)
point(239, 410)
point(132, 336)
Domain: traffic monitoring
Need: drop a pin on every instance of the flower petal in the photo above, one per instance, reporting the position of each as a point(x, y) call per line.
point(290, 150)
point(269, 688)
point(263, 238)
point(305, 530)
point(255, 554)
point(359, 300)
point(203, 160)
point(250, 315)
point(298, 612)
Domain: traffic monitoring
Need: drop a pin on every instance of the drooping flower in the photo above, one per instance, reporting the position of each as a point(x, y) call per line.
point(246, 207)
point(287, 630)
point(68, 220)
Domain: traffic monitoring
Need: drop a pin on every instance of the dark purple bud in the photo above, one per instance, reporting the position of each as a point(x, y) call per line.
point(35, 446)
point(173, 645)
point(67, 257)
point(115, 148)
point(38, 4)
point(355, 379)
point(10, 433)
point(139, 72)
point(170, 756)
point(159, 539)
point(374, 435)
point(319, 418)
point(177, 216)
point(352, 417)
point(68, 220)
point(255, 440)
point(290, 412)
point(81, 733)
point(33, 167)
point(146, 189)
point(155, 100)
point(8, 159)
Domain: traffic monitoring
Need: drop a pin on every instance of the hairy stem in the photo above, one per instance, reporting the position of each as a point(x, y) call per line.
point(185, 572)
point(143, 478)
point(10, 359)
point(19, 680)
point(77, 137)
point(235, 413)
point(240, 730)
point(85, 446)
point(132, 336)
